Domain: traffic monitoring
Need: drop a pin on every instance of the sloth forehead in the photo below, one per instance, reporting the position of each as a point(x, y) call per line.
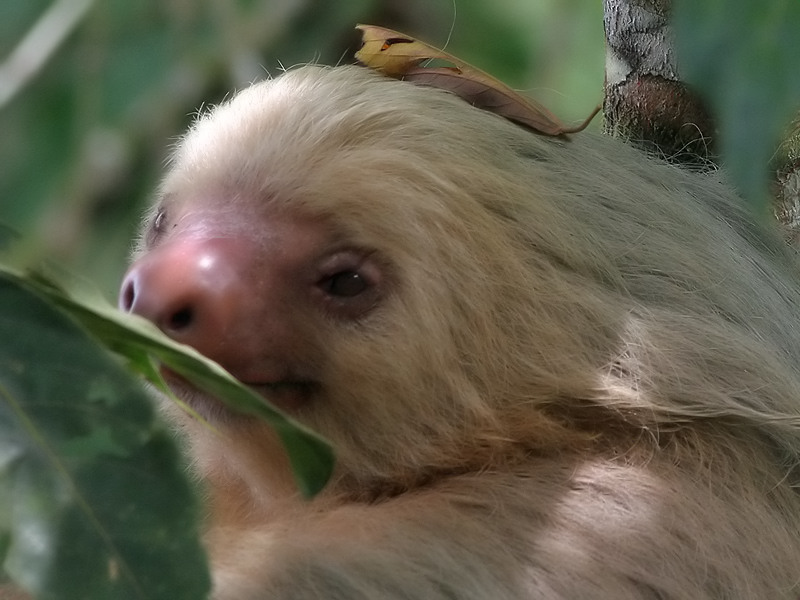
point(309, 114)
point(260, 137)
point(304, 103)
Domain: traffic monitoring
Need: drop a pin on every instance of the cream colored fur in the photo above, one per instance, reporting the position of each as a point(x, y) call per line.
point(582, 384)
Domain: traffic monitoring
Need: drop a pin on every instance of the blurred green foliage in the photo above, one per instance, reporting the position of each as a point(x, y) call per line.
point(83, 143)
point(742, 56)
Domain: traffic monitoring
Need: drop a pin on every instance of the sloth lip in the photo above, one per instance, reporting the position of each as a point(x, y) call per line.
point(286, 394)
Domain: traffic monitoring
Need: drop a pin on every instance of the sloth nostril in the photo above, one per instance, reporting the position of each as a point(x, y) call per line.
point(180, 319)
point(127, 297)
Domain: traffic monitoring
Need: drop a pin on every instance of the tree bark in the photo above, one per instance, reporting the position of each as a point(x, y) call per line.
point(787, 185)
point(645, 101)
point(647, 104)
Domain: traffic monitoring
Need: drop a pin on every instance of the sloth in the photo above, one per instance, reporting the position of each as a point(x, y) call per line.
point(549, 367)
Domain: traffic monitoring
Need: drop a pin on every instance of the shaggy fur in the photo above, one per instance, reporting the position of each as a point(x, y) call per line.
point(580, 379)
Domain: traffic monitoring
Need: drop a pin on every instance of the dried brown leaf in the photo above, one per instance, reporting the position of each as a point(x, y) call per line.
point(400, 56)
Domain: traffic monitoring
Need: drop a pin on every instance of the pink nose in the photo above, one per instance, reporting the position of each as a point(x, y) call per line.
point(193, 290)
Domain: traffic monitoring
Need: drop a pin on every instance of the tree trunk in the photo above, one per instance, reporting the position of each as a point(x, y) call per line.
point(787, 185)
point(645, 102)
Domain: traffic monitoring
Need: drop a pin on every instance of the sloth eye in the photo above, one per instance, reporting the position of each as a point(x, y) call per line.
point(344, 284)
point(349, 284)
point(156, 227)
point(160, 222)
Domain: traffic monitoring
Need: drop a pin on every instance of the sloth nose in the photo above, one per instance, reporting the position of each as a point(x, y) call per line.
point(192, 290)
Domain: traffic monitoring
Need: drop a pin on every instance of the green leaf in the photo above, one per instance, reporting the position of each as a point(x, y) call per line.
point(94, 498)
point(742, 55)
point(137, 340)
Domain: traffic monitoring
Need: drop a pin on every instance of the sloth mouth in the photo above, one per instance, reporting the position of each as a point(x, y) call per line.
point(287, 395)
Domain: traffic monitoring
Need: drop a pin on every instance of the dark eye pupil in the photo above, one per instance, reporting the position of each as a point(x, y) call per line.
point(345, 284)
